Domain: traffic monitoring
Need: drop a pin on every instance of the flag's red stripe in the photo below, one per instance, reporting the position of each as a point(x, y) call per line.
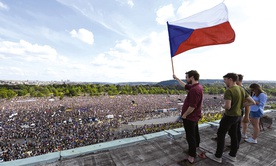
point(219, 34)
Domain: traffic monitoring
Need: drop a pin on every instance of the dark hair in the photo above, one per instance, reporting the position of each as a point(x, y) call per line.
point(233, 76)
point(256, 87)
point(193, 73)
point(240, 77)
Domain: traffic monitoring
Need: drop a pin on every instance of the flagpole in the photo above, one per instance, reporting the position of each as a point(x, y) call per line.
point(172, 65)
point(170, 48)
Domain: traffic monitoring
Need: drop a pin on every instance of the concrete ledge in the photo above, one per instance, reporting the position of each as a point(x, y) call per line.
point(213, 124)
point(173, 132)
point(179, 130)
point(32, 161)
point(155, 135)
point(203, 125)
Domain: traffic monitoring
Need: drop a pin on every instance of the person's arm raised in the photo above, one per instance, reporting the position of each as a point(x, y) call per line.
point(179, 81)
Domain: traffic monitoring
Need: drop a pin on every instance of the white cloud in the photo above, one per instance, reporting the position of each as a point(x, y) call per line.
point(11, 71)
point(26, 51)
point(146, 59)
point(187, 8)
point(130, 3)
point(164, 14)
point(3, 6)
point(124, 53)
point(83, 35)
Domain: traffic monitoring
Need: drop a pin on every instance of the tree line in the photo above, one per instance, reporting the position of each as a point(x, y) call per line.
point(70, 90)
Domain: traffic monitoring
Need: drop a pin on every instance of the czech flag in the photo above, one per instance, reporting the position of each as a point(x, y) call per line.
point(209, 27)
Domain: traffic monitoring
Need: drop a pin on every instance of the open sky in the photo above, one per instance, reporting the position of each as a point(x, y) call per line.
point(127, 40)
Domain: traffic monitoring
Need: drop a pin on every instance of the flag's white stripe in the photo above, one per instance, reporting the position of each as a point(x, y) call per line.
point(207, 18)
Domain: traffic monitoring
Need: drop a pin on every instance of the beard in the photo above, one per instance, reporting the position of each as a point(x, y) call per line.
point(189, 82)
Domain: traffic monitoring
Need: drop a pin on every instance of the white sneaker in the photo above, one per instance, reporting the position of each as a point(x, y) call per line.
point(213, 157)
point(231, 158)
point(251, 140)
point(244, 136)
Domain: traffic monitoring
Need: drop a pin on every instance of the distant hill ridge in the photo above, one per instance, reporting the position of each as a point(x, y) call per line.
point(201, 81)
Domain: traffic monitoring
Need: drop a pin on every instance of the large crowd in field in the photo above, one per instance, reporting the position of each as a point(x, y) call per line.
point(35, 126)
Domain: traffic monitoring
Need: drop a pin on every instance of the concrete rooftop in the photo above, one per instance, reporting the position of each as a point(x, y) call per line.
point(158, 149)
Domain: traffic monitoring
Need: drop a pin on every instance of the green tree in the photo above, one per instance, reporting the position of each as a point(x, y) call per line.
point(22, 92)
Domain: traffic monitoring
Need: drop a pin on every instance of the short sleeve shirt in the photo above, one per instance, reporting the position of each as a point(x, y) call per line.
point(237, 96)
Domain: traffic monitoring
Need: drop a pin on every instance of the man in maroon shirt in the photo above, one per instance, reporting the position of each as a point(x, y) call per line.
point(191, 111)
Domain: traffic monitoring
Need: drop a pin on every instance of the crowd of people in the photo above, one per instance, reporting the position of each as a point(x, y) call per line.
point(35, 126)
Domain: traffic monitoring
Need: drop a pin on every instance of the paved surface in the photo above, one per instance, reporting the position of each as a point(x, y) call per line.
point(161, 150)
